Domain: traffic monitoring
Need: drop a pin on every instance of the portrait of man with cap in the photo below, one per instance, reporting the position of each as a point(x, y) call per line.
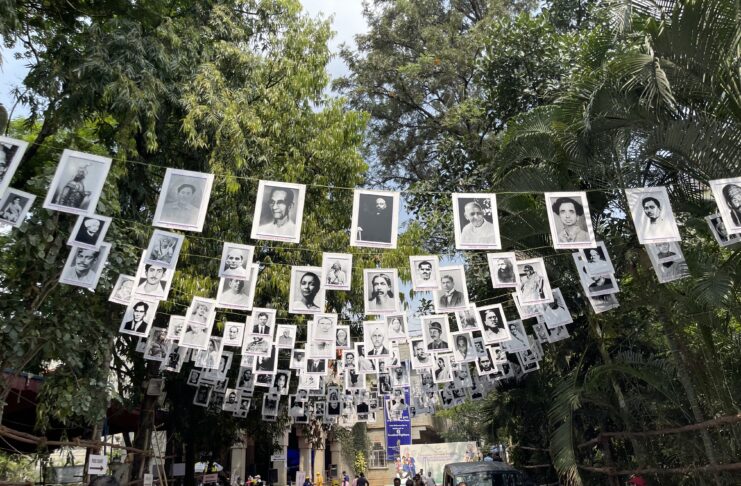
point(435, 331)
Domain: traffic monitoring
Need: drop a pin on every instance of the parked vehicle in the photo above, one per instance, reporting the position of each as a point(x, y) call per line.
point(483, 474)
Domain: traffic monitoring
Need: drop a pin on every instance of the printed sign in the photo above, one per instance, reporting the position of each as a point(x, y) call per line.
point(98, 464)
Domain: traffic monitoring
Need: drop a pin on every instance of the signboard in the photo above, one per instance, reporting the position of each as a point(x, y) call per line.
point(433, 457)
point(279, 457)
point(210, 478)
point(398, 424)
point(148, 479)
point(97, 464)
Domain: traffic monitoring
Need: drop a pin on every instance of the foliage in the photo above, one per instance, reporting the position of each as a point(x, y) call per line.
point(17, 468)
point(360, 464)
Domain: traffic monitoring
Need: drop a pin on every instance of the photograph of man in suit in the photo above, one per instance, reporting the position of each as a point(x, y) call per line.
point(451, 297)
point(375, 218)
point(137, 323)
point(261, 327)
point(89, 231)
point(377, 338)
point(435, 331)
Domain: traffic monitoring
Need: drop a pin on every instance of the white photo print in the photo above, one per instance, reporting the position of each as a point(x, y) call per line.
point(436, 333)
point(571, 224)
point(201, 311)
point(262, 322)
point(468, 319)
point(237, 293)
point(556, 313)
point(195, 335)
point(342, 337)
point(14, 206)
point(652, 215)
point(84, 266)
point(526, 311)
point(337, 270)
point(594, 285)
point(307, 296)
point(476, 222)
point(441, 371)
point(533, 286)
point(727, 193)
point(121, 293)
point(156, 347)
point(138, 317)
point(153, 281)
point(453, 295)
point(78, 183)
point(11, 153)
point(164, 249)
point(503, 269)
point(380, 286)
point(720, 233)
point(375, 338)
point(597, 260)
point(285, 336)
point(518, 338)
point(233, 334)
point(420, 358)
point(667, 251)
point(602, 303)
point(89, 231)
point(425, 270)
point(375, 219)
point(183, 200)
point(236, 260)
point(397, 326)
point(278, 211)
point(463, 348)
point(670, 270)
point(175, 328)
point(493, 323)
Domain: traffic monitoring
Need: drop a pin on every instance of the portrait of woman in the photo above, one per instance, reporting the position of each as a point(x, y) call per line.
point(307, 296)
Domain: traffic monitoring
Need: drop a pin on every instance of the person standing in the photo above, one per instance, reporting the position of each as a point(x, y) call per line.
point(345, 479)
point(362, 481)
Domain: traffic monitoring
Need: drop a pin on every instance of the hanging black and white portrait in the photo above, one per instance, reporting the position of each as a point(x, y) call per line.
point(237, 293)
point(380, 287)
point(89, 231)
point(518, 338)
point(494, 323)
point(342, 337)
point(78, 183)
point(533, 286)
point(298, 360)
point(320, 349)
point(593, 285)
point(669, 270)
point(307, 295)
point(571, 224)
point(255, 345)
point(503, 269)
point(280, 383)
point(727, 193)
point(138, 317)
point(556, 313)
point(285, 336)
point(157, 344)
point(596, 260)
point(526, 311)
point(122, 290)
point(176, 356)
point(183, 200)
point(425, 270)
point(267, 364)
point(436, 333)
point(668, 251)
point(375, 219)
point(245, 378)
point(278, 211)
point(541, 331)
point(453, 295)
point(262, 323)
point(14, 205)
point(485, 365)
point(233, 334)
point(84, 266)
point(236, 260)
point(175, 328)
point(201, 311)
point(316, 366)
point(202, 395)
point(476, 222)
point(719, 231)
point(463, 348)
point(602, 303)
point(421, 358)
point(337, 270)
point(652, 215)
point(397, 326)
point(323, 328)
point(164, 249)
point(441, 370)
point(195, 335)
point(153, 281)
point(468, 319)
point(11, 153)
point(210, 357)
point(375, 338)
point(561, 333)
point(231, 400)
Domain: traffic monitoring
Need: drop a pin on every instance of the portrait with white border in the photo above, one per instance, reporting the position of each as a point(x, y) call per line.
point(597, 260)
point(425, 271)
point(652, 215)
point(14, 206)
point(485, 365)
point(298, 360)
point(727, 193)
point(503, 269)
point(436, 333)
point(323, 328)
point(570, 222)
point(88, 231)
point(237, 293)
point(556, 313)
point(342, 337)
point(476, 221)
point(78, 182)
point(157, 344)
point(380, 286)
point(397, 326)
point(201, 311)
point(183, 200)
point(526, 311)
point(453, 295)
point(236, 260)
point(533, 286)
point(233, 334)
point(468, 319)
point(463, 348)
point(337, 270)
point(375, 219)
point(420, 358)
point(285, 336)
point(164, 249)
point(441, 371)
point(195, 335)
point(175, 327)
point(261, 322)
point(153, 281)
point(279, 209)
point(719, 231)
point(375, 339)
point(560, 333)
point(122, 290)
point(11, 153)
point(493, 323)
point(138, 317)
point(518, 337)
point(306, 296)
point(84, 266)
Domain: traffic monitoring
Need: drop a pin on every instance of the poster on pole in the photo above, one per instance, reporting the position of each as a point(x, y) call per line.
point(398, 425)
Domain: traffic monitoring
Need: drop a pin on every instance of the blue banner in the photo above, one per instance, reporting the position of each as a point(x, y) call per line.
point(398, 423)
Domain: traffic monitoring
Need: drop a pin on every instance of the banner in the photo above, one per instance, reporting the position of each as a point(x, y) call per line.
point(434, 457)
point(398, 426)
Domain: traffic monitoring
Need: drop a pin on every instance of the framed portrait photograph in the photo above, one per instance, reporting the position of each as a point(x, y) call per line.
point(652, 215)
point(380, 291)
point(84, 266)
point(316, 366)
point(397, 326)
point(453, 295)
point(231, 400)
point(201, 311)
point(596, 260)
point(375, 219)
point(281, 381)
point(176, 356)
point(669, 271)
point(375, 337)
point(279, 211)
point(262, 322)
point(122, 290)
point(493, 323)
point(668, 251)
point(202, 395)
point(468, 319)
point(89, 231)
point(285, 336)
point(420, 357)
point(518, 338)
point(245, 378)
point(476, 222)
point(11, 153)
point(237, 293)
point(236, 260)
point(14, 206)
point(559, 334)
point(425, 271)
point(727, 193)
point(719, 231)
point(342, 337)
point(267, 364)
point(485, 365)
point(463, 348)
point(195, 335)
point(298, 360)
point(556, 313)
point(323, 328)
point(138, 317)
point(337, 271)
point(233, 334)
point(183, 200)
point(307, 296)
point(164, 249)
point(498, 355)
point(256, 345)
point(541, 331)
point(209, 358)
point(533, 286)
point(442, 371)
point(436, 333)
point(503, 269)
point(602, 303)
point(157, 344)
point(308, 382)
point(77, 183)
point(153, 281)
point(571, 224)
point(175, 328)
point(320, 349)
point(526, 311)
point(593, 285)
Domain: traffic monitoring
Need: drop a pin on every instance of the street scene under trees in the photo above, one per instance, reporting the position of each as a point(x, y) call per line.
point(473, 243)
